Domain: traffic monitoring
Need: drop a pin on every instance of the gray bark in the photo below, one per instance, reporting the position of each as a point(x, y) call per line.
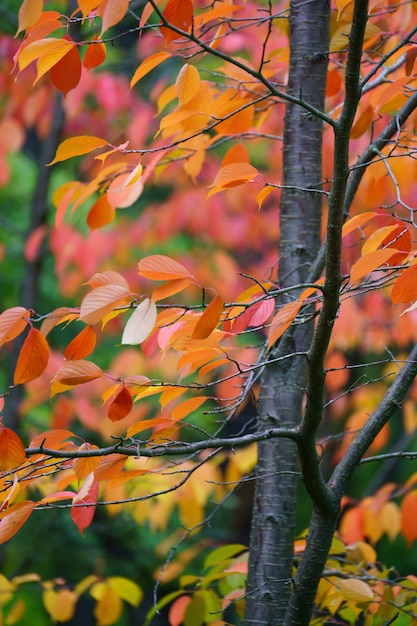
point(283, 385)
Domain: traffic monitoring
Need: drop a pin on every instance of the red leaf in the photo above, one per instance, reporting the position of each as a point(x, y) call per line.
point(120, 406)
point(177, 610)
point(82, 345)
point(82, 515)
point(179, 13)
point(14, 518)
point(33, 358)
point(12, 452)
point(66, 74)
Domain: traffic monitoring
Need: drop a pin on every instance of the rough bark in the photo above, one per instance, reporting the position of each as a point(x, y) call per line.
point(283, 385)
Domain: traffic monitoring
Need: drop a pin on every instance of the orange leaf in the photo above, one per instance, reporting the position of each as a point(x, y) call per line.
point(107, 278)
point(179, 13)
point(82, 345)
point(148, 65)
point(86, 6)
point(409, 516)
point(236, 154)
point(357, 222)
point(187, 83)
point(209, 319)
point(12, 452)
point(101, 301)
point(12, 322)
point(95, 54)
point(14, 518)
point(160, 267)
point(33, 358)
point(110, 466)
point(112, 12)
point(29, 13)
point(52, 48)
point(77, 146)
point(370, 262)
point(58, 316)
point(282, 320)
point(169, 289)
point(231, 175)
point(405, 287)
point(86, 465)
point(140, 427)
point(264, 193)
point(66, 74)
point(121, 406)
point(101, 213)
point(82, 515)
point(74, 373)
point(186, 407)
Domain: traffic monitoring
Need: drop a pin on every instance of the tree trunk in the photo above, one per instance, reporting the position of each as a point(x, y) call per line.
point(283, 383)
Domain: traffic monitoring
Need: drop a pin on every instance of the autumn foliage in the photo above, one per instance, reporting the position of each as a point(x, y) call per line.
point(164, 235)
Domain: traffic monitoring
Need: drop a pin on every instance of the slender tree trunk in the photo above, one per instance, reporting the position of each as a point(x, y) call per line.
point(283, 384)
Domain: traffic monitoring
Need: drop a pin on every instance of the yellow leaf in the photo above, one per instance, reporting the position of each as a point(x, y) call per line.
point(356, 591)
point(29, 13)
point(109, 605)
point(60, 604)
point(187, 83)
point(377, 238)
point(126, 589)
point(77, 146)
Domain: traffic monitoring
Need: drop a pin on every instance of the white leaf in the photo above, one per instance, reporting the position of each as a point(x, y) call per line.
point(140, 324)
